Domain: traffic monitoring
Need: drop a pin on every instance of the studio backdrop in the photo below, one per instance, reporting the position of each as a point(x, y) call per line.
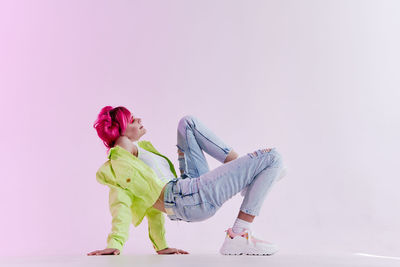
point(317, 80)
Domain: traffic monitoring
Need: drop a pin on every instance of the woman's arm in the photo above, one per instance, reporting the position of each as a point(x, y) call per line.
point(120, 207)
point(119, 204)
point(156, 220)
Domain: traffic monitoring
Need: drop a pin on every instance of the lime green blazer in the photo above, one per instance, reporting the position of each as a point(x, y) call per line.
point(134, 188)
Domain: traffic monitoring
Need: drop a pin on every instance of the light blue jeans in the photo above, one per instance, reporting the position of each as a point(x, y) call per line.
point(199, 192)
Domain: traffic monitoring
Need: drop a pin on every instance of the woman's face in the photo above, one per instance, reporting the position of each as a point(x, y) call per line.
point(134, 129)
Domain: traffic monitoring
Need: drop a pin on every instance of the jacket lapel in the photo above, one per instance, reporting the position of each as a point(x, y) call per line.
point(149, 147)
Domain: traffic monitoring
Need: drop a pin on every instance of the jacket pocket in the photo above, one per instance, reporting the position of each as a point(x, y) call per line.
point(136, 185)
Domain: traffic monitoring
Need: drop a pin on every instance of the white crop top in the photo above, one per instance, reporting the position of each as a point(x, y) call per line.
point(158, 164)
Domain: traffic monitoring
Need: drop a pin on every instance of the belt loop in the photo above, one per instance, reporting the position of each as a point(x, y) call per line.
point(174, 186)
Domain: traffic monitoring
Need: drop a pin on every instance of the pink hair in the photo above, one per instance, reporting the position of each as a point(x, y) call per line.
point(111, 124)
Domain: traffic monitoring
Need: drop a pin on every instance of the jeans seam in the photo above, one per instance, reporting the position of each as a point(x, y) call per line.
point(213, 143)
point(197, 170)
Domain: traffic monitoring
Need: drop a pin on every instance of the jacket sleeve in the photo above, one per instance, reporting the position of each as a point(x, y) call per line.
point(120, 203)
point(155, 219)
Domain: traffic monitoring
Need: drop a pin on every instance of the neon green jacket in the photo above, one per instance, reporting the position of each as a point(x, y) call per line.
point(134, 188)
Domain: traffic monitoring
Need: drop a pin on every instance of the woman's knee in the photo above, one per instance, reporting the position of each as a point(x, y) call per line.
point(277, 157)
point(185, 121)
point(273, 154)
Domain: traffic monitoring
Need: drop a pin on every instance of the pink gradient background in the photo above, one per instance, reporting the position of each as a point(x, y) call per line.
point(319, 80)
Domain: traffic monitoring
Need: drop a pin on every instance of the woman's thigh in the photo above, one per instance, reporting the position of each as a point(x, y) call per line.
point(199, 198)
point(193, 139)
point(186, 201)
point(226, 181)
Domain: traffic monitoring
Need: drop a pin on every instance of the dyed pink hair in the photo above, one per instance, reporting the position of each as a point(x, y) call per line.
point(111, 124)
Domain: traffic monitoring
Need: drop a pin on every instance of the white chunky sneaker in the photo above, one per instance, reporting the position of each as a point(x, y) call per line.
point(245, 243)
point(281, 175)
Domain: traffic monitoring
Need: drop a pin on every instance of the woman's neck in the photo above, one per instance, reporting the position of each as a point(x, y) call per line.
point(127, 144)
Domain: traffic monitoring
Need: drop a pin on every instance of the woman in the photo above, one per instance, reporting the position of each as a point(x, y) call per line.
point(143, 182)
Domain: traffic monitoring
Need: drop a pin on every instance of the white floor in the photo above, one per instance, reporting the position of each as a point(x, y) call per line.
point(206, 260)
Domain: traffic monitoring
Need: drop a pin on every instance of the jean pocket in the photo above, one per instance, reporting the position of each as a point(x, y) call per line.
point(187, 187)
point(198, 212)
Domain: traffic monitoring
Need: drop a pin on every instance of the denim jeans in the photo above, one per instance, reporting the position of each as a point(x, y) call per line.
point(199, 192)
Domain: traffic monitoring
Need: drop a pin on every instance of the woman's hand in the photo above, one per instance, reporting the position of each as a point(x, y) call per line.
point(106, 251)
point(172, 251)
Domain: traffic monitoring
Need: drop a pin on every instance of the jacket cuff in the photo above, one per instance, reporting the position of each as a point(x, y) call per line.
point(112, 243)
point(160, 245)
point(159, 242)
